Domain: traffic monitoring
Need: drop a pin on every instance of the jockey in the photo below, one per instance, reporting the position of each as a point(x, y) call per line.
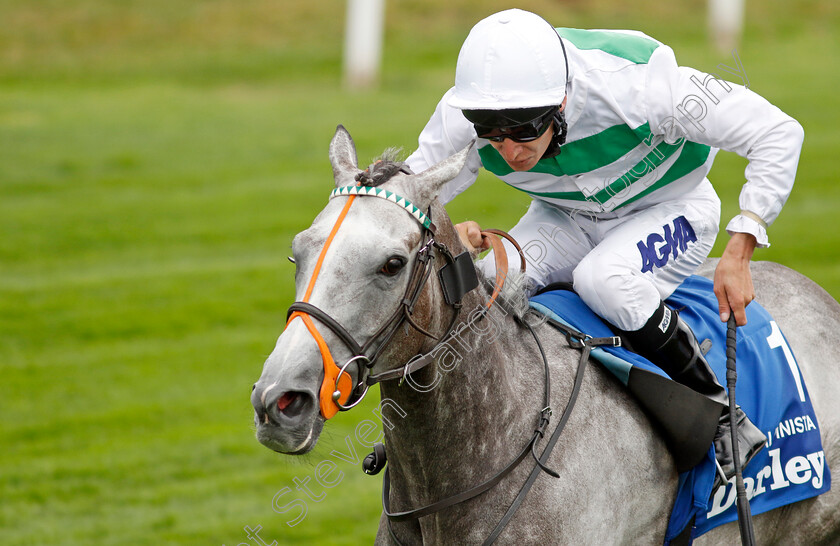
point(613, 141)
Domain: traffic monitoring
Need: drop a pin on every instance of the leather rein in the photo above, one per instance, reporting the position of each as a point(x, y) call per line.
point(576, 340)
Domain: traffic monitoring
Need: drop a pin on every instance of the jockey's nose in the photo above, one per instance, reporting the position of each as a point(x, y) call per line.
point(509, 149)
point(514, 152)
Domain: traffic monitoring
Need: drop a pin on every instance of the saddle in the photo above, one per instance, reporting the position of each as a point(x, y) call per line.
point(686, 419)
point(770, 390)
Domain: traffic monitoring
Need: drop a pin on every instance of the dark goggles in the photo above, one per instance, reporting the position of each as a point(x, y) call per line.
point(501, 124)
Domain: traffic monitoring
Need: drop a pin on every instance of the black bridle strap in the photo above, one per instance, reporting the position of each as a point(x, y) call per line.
point(448, 501)
point(331, 323)
point(405, 311)
point(415, 363)
point(417, 280)
point(421, 361)
point(584, 358)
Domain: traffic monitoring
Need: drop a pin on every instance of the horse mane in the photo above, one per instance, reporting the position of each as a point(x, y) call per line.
point(383, 168)
point(514, 295)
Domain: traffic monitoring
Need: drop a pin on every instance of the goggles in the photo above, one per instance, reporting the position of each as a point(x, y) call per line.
point(501, 124)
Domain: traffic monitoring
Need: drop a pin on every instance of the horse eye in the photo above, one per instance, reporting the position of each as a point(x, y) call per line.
point(393, 266)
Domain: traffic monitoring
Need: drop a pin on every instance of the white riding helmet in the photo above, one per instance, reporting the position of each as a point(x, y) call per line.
point(512, 59)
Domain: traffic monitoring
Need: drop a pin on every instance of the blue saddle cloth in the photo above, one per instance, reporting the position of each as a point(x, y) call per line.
point(770, 390)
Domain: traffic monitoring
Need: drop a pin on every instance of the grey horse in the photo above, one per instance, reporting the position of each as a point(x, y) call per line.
point(617, 479)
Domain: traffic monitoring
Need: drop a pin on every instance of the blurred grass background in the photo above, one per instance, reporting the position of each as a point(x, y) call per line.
point(156, 159)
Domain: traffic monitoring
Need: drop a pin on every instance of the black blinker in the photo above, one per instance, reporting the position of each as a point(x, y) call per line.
point(457, 277)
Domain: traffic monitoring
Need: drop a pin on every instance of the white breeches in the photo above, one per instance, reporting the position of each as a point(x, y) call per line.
point(621, 265)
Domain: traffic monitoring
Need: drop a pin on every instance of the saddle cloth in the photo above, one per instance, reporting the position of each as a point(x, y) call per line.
point(769, 389)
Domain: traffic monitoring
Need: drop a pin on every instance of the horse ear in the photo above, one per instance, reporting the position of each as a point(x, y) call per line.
point(427, 184)
point(345, 165)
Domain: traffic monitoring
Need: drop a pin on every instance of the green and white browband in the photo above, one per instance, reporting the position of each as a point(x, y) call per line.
point(385, 194)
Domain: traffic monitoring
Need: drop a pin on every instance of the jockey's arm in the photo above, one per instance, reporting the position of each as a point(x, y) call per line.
point(446, 132)
point(733, 281)
point(684, 103)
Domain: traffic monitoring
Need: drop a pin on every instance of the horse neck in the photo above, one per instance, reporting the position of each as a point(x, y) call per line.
point(469, 412)
point(472, 409)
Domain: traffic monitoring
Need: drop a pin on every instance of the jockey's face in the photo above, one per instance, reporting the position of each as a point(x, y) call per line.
point(523, 156)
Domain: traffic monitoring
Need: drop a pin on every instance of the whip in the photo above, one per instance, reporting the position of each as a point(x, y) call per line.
point(744, 515)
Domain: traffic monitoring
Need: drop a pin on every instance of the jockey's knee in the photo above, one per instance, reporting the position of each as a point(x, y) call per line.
point(617, 295)
point(598, 285)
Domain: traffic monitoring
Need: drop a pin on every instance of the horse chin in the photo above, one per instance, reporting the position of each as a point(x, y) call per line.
point(296, 442)
point(290, 443)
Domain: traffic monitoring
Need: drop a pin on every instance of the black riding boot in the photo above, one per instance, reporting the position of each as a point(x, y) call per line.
point(667, 341)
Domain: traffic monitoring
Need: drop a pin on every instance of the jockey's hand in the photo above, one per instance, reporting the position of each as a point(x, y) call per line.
point(470, 234)
point(733, 282)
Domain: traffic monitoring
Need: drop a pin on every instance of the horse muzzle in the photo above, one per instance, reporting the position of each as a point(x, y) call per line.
point(287, 420)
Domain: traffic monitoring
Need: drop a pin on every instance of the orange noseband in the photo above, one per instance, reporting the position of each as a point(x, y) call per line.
point(331, 370)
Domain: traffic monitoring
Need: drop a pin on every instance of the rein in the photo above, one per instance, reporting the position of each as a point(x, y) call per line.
point(576, 340)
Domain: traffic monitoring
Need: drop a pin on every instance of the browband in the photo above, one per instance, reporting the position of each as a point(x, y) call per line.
point(418, 214)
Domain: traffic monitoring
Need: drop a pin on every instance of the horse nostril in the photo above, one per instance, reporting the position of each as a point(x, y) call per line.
point(253, 387)
point(291, 403)
point(284, 401)
point(275, 408)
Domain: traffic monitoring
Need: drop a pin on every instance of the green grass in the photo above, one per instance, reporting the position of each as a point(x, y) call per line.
point(156, 159)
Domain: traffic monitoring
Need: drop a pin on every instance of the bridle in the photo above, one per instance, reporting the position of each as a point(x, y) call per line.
point(458, 277)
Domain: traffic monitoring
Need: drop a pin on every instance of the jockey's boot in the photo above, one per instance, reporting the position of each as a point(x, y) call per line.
point(677, 352)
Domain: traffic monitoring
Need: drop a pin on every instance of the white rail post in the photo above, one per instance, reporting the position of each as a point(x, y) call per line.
point(363, 42)
point(726, 23)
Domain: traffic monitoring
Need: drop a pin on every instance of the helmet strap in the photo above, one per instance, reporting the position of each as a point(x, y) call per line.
point(559, 137)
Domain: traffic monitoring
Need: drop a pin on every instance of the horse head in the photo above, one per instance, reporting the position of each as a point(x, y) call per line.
point(361, 269)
